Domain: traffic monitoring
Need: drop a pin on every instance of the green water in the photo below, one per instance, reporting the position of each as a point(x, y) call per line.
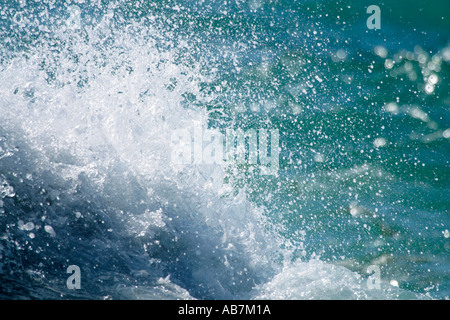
point(359, 183)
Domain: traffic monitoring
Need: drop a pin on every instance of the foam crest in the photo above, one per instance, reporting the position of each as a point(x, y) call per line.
point(97, 117)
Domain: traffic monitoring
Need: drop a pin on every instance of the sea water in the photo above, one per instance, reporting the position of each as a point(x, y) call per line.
point(355, 207)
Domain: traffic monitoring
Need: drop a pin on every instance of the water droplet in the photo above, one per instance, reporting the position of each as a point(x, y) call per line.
point(391, 107)
point(429, 88)
point(25, 226)
point(389, 63)
point(379, 142)
point(446, 133)
point(5, 189)
point(49, 230)
point(394, 283)
point(341, 54)
point(381, 51)
point(319, 158)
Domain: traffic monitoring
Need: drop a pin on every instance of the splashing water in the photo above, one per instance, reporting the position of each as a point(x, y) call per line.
point(90, 95)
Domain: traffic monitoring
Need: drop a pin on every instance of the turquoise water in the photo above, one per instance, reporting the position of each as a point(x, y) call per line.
point(90, 92)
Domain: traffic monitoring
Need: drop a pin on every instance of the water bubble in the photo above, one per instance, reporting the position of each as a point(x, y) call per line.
point(381, 51)
point(389, 63)
point(446, 133)
point(394, 283)
point(446, 234)
point(408, 66)
point(50, 231)
point(433, 79)
point(379, 142)
point(410, 55)
point(354, 209)
point(341, 54)
point(391, 107)
point(319, 158)
point(429, 88)
point(431, 65)
point(412, 76)
point(422, 58)
point(417, 113)
point(5, 189)
point(446, 54)
point(25, 226)
point(18, 18)
point(296, 108)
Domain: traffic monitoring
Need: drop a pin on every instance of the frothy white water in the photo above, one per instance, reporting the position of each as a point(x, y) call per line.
point(314, 280)
point(96, 111)
point(102, 116)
